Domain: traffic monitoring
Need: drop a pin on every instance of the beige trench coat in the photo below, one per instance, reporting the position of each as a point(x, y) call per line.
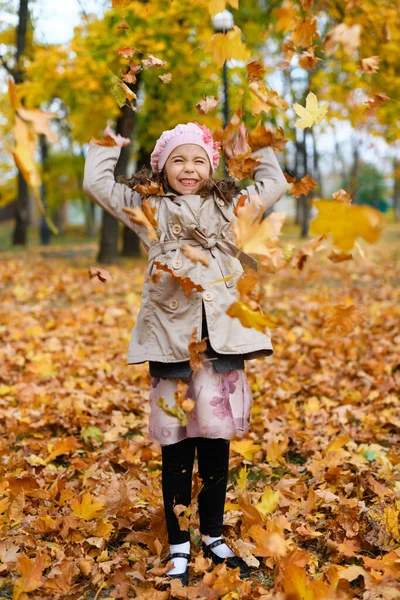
point(167, 318)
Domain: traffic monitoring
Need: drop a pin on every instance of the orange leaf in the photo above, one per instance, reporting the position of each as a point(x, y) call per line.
point(137, 216)
point(195, 348)
point(304, 186)
point(31, 575)
point(99, 272)
point(242, 165)
point(195, 255)
point(187, 284)
point(107, 140)
point(64, 446)
point(261, 137)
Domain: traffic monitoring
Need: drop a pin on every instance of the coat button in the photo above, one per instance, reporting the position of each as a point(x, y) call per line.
point(176, 229)
point(220, 202)
point(173, 304)
point(177, 264)
point(208, 296)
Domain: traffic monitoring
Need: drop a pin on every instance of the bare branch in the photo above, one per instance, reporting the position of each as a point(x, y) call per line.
point(7, 67)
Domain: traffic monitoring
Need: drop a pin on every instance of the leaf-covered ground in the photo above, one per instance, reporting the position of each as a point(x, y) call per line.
point(314, 494)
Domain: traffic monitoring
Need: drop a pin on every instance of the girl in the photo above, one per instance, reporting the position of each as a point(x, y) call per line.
point(196, 210)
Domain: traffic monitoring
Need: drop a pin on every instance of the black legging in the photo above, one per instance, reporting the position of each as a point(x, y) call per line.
point(177, 468)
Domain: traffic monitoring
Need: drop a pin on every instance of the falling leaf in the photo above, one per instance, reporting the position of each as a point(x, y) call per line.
point(269, 501)
point(126, 52)
point(217, 6)
point(252, 234)
point(304, 31)
point(343, 319)
point(287, 14)
point(369, 65)
point(243, 165)
point(99, 272)
point(137, 216)
point(263, 100)
point(166, 78)
point(107, 141)
point(195, 349)
point(207, 104)
point(195, 255)
point(299, 587)
point(150, 188)
point(267, 544)
point(183, 514)
point(342, 196)
point(153, 62)
point(303, 187)
point(40, 121)
point(302, 254)
point(307, 59)
point(347, 35)
point(311, 114)
point(87, 508)
point(122, 25)
point(173, 411)
point(227, 46)
point(250, 318)
point(346, 222)
point(255, 70)
point(261, 137)
point(187, 284)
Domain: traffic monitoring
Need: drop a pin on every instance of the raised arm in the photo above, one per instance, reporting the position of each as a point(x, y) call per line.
point(269, 181)
point(100, 185)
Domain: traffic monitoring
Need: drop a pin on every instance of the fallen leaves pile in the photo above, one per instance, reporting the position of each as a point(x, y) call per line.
point(314, 490)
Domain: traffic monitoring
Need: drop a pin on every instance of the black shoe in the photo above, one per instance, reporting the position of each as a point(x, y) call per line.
point(232, 562)
point(184, 577)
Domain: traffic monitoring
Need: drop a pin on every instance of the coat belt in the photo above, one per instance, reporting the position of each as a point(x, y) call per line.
point(226, 247)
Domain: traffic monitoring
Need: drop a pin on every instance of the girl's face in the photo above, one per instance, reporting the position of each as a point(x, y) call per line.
point(186, 167)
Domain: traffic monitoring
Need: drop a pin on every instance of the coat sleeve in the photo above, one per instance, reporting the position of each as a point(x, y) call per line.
point(269, 181)
point(100, 185)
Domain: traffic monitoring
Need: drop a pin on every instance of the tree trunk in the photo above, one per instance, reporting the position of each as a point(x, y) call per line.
point(396, 194)
point(22, 217)
point(305, 207)
point(44, 230)
point(354, 171)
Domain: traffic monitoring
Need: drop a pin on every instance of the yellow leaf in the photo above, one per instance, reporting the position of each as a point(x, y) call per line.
point(250, 318)
point(311, 114)
point(338, 442)
point(242, 479)
point(245, 447)
point(268, 502)
point(345, 222)
point(88, 508)
point(227, 46)
point(217, 6)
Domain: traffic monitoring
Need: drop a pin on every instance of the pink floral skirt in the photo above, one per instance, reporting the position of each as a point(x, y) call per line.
point(222, 406)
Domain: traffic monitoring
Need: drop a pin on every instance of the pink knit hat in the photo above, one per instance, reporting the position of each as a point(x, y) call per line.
point(191, 133)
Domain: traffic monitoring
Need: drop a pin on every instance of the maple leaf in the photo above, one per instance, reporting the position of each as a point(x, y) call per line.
point(40, 121)
point(253, 235)
point(380, 525)
point(187, 284)
point(250, 318)
point(201, 564)
point(307, 59)
point(369, 65)
point(264, 100)
point(166, 78)
point(304, 30)
point(261, 137)
point(267, 544)
point(183, 514)
point(107, 141)
point(287, 15)
point(24, 152)
point(31, 575)
point(297, 585)
point(311, 114)
point(269, 501)
point(195, 348)
point(342, 196)
point(246, 448)
point(255, 70)
point(150, 212)
point(137, 216)
point(65, 446)
point(173, 411)
point(348, 36)
point(87, 508)
point(243, 165)
point(217, 6)
point(303, 187)
point(346, 222)
point(150, 188)
point(302, 254)
point(153, 62)
point(126, 52)
point(227, 46)
point(343, 319)
point(195, 255)
point(99, 272)
point(207, 104)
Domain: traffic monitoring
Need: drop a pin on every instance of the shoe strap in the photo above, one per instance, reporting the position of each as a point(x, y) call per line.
point(216, 543)
point(179, 555)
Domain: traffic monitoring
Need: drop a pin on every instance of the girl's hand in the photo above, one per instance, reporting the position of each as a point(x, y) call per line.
point(119, 140)
point(239, 143)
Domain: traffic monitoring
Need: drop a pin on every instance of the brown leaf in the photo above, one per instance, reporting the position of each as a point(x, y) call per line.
point(187, 284)
point(195, 348)
point(182, 513)
point(99, 272)
point(369, 65)
point(31, 575)
point(302, 254)
point(166, 78)
point(153, 62)
point(255, 70)
point(342, 196)
point(261, 137)
point(304, 186)
point(126, 52)
point(137, 216)
point(337, 257)
point(107, 140)
point(207, 104)
point(242, 165)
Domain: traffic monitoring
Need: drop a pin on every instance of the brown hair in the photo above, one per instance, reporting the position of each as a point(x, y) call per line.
point(225, 188)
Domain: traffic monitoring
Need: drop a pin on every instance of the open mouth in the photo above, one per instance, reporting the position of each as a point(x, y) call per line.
point(188, 182)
